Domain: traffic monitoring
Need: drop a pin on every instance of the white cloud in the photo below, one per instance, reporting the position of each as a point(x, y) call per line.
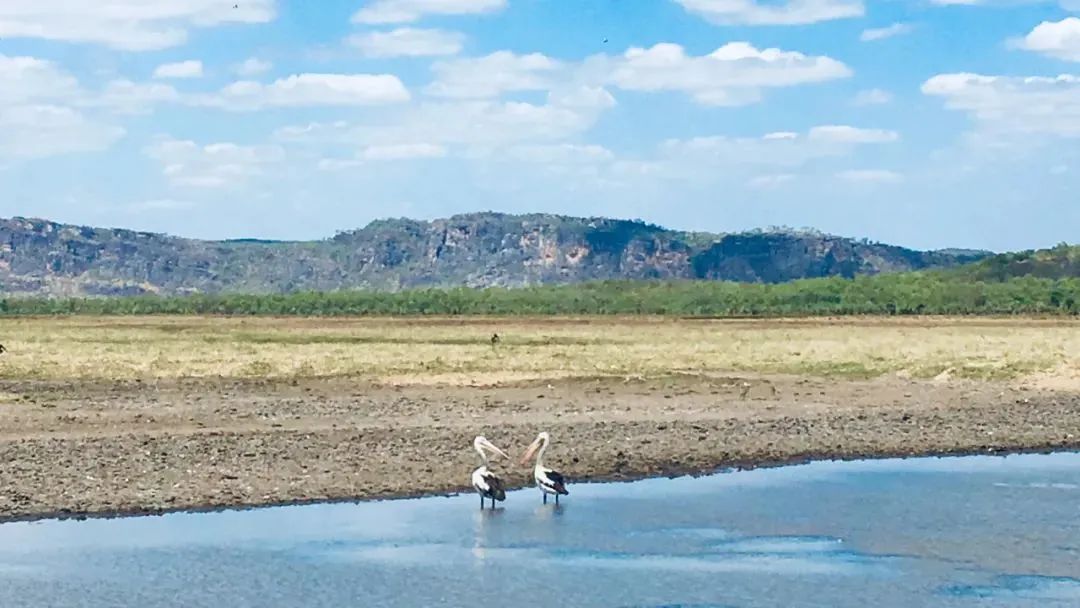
point(761, 163)
point(582, 97)
point(881, 33)
point(493, 74)
point(39, 131)
point(765, 182)
point(1031, 105)
point(732, 75)
point(135, 25)
point(870, 97)
point(311, 132)
point(252, 66)
point(790, 12)
point(782, 148)
point(310, 90)
point(404, 152)
point(407, 11)
point(870, 176)
point(1060, 39)
point(481, 123)
point(160, 204)
point(474, 129)
point(640, 168)
point(182, 69)
point(26, 79)
point(217, 165)
point(732, 152)
point(33, 123)
point(496, 137)
point(1067, 4)
point(561, 153)
point(845, 134)
point(337, 164)
point(408, 42)
point(129, 97)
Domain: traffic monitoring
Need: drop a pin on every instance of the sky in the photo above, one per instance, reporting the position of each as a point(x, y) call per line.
point(925, 123)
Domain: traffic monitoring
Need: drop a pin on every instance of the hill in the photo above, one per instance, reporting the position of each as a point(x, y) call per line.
point(1060, 262)
point(40, 257)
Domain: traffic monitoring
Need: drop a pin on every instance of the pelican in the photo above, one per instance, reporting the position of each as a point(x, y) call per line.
point(548, 480)
point(486, 483)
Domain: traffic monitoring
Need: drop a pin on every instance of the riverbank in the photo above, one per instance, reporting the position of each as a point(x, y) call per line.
point(96, 447)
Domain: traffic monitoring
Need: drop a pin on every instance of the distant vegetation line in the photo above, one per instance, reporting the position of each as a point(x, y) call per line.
point(926, 293)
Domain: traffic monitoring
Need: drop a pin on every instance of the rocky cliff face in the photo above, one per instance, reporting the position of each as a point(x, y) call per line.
point(479, 250)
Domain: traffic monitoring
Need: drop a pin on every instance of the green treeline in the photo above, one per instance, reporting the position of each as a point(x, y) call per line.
point(932, 293)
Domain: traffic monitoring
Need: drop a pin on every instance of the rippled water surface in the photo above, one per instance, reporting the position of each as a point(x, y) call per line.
point(975, 531)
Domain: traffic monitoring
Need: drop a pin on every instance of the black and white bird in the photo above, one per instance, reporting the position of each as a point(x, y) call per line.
point(487, 484)
point(548, 480)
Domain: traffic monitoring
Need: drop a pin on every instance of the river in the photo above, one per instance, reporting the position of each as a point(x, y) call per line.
point(964, 531)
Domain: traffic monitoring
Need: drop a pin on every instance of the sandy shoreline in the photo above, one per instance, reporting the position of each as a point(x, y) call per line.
point(78, 449)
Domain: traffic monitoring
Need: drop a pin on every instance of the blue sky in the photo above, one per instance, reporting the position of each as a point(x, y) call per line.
point(927, 123)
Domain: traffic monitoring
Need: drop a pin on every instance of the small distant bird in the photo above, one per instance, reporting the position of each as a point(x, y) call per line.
point(605, 40)
point(236, 6)
point(495, 339)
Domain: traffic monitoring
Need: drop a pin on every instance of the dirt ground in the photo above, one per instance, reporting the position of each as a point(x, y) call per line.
point(73, 448)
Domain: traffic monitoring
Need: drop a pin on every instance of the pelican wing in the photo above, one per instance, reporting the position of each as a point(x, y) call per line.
point(555, 481)
point(497, 489)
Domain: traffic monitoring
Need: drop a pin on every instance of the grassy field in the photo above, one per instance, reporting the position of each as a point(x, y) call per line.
point(459, 351)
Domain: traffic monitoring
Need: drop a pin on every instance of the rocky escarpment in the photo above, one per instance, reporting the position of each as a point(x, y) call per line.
point(483, 249)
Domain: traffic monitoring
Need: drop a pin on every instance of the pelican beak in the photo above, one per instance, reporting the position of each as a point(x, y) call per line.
point(491, 446)
point(530, 452)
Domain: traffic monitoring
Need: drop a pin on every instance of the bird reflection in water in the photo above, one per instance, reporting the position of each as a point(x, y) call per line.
point(481, 521)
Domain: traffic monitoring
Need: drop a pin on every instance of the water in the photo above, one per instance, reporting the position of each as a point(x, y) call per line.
point(977, 531)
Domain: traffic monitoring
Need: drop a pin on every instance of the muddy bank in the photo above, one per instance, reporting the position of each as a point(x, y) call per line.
point(71, 449)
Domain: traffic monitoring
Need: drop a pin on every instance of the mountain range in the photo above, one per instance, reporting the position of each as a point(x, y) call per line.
point(41, 257)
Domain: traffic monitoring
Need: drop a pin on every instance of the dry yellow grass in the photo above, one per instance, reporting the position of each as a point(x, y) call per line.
point(458, 351)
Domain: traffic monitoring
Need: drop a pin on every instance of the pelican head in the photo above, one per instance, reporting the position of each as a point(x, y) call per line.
point(485, 447)
point(541, 441)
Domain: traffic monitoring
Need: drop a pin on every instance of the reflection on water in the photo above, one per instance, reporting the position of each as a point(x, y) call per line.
point(977, 531)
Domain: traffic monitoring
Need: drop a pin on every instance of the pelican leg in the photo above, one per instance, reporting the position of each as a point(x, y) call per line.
point(544, 494)
point(556, 499)
point(481, 502)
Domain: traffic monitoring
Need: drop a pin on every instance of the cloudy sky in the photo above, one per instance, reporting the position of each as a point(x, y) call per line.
point(928, 123)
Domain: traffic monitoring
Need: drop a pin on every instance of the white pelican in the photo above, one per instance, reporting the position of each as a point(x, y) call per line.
point(486, 483)
point(548, 480)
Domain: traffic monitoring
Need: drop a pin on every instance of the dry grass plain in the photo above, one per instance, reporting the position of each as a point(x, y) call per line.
point(147, 414)
point(457, 351)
